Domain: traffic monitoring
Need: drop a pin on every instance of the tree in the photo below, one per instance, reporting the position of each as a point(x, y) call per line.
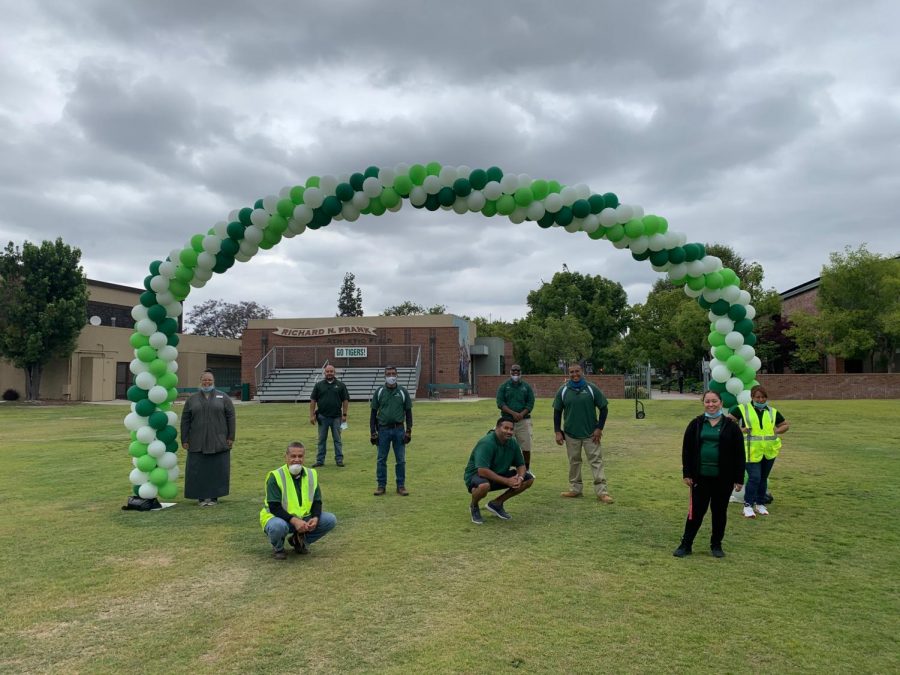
point(555, 338)
point(808, 339)
point(217, 318)
point(409, 308)
point(349, 297)
point(859, 304)
point(600, 305)
point(43, 306)
point(766, 301)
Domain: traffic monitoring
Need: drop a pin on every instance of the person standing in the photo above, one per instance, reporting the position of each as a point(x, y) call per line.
point(328, 408)
point(515, 398)
point(391, 407)
point(293, 505)
point(580, 428)
point(496, 463)
point(207, 433)
point(712, 465)
point(762, 425)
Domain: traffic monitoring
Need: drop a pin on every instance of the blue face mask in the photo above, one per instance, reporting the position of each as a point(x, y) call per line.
point(760, 406)
point(207, 389)
point(714, 415)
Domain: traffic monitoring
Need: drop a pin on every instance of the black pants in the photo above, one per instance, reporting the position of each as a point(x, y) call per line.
point(706, 492)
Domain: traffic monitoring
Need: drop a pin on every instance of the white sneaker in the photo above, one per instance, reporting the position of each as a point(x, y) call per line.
point(761, 510)
point(748, 512)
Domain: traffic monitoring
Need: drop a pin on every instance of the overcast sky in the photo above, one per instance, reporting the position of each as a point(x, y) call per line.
point(128, 127)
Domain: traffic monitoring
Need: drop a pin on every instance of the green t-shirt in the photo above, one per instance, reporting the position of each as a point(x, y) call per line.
point(489, 453)
point(516, 396)
point(329, 396)
point(390, 404)
point(709, 449)
point(579, 409)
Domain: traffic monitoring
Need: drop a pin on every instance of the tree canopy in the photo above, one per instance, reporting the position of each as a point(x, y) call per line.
point(218, 318)
point(43, 306)
point(409, 308)
point(349, 297)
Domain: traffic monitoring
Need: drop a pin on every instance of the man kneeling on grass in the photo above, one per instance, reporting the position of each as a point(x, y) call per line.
point(496, 462)
point(293, 505)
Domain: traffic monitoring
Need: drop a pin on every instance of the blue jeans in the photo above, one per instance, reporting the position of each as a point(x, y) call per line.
point(757, 481)
point(387, 436)
point(277, 529)
point(326, 423)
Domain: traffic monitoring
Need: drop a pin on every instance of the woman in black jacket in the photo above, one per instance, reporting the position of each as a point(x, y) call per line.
point(712, 461)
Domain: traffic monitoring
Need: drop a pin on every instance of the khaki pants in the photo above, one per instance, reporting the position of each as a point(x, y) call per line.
point(595, 459)
point(522, 432)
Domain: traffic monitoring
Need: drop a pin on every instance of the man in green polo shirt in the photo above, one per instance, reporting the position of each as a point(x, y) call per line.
point(391, 407)
point(496, 463)
point(515, 398)
point(328, 408)
point(577, 425)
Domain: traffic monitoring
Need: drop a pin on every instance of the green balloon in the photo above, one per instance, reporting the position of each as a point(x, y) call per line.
point(244, 215)
point(547, 221)
point(403, 185)
point(720, 307)
point(172, 340)
point(696, 283)
point(691, 252)
point(494, 174)
point(540, 189)
point(634, 228)
point(231, 247)
point(581, 208)
point(432, 203)
point(640, 257)
point(650, 225)
point(167, 380)
point(276, 224)
point(296, 195)
point(417, 174)
point(433, 168)
point(159, 476)
point(390, 198)
point(168, 490)
point(462, 187)
point(172, 395)
point(197, 243)
point(137, 449)
point(156, 313)
point(750, 339)
point(372, 172)
point(258, 204)
point(506, 205)
point(138, 340)
point(146, 353)
point(523, 196)
point(717, 386)
point(312, 181)
point(599, 233)
point(676, 255)
point(478, 179)
point(736, 364)
point(158, 420)
point(158, 367)
point(564, 216)
point(716, 339)
point(489, 209)
point(167, 434)
point(344, 191)
point(235, 231)
point(723, 352)
point(615, 233)
point(662, 225)
point(376, 206)
point(168, 327)
point(747, 375)
point(737, 312)
point(356, 181)
point(713, 280)
point(270, 239)
point(285, 208)
point(659, 258)
point(729, 277)
point(728, 399)
point(553, 187)
point(154, 267)
point(188, 258)
point(703, 302)
point(744, 327)
point(146, 463)
point(332, 206)
point(145, 407)
point(446, 196)
point(597, 203)
point(135, 393)
point(611, 200)
point(148, 298)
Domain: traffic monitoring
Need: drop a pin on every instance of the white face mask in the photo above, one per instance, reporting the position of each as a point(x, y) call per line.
point(515, 378)
point(391, 380)
point(206, 389)
point(295, 469)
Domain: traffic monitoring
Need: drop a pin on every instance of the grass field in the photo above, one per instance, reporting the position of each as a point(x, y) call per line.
point(410, 584)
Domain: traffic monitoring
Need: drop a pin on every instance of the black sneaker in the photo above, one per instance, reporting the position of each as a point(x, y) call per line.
point(682, 551)
point(317, 465)
point(717, 552)
point(279, 555)
point(497, 509)
point(341, 464)
point(476, 515)
point(298, 541)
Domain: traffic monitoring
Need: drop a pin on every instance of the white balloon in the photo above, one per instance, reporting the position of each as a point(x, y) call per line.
point(328, 183)
point(248, 249)
point(253, 235)
point(688, 291)
point(432, 185)
point(159, 284)
point(509, 183)
point(734, 386)
point(622, 243)
point(156, 449)
point(197, 282)
point(745, 298)
point(574, 226)
point(711, 263)
point(303, 214)
point(137, 367)
point(524, 180)
point(283, 193)
point(158, 340)
point(754, 364)
point(553, 203)
point(138, 312)
point(695, 268)
point(386, 177)
point(167, 460)
point(205, 261)
point(146, 435)
point(637, 211)
point(168, 353)
point(623, 213)
point(731, 294)
point(639, 245)
point(744, 397)
point(518, 215)
point(720, 373)
point(418, 196)
point(148, 491)
point(171, 417)
point(583, 191)
point(679, 271)
point(590, 224)
point(724, 325)
point(714, 362)
point(620, 216)
point(174, 472)
point(313, 197)
point(348, 211)
point(608, 217)
point(712, 294)
point(145, 327)
point(745, 351)
point(461, 205)
point(138, 477)
point(660, 268)
point(536, 210)
point(213, 243)
point(270, 204)
point(657, 242)
point(174, 309)
point(476, 200)
point(145, 380)
point(396, 207)
point(172, 366)
point(371, 187)
point(133, 421)
point(299, 228)
point(447, 175)
point(751, 312)
point(493, 190)
point(242, 258)
point(175, 253)
point(157, 394)
point(165, 298)
point(569, 195)
point(734, 339)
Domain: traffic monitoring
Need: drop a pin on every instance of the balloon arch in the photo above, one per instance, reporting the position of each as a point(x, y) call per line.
point(324, 199)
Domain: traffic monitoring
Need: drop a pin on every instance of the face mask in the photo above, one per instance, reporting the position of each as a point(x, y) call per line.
point(515, 378)
point(714, 415)
point(391, 380)
point(760, 406)
point(208, 389)
point(295, 469)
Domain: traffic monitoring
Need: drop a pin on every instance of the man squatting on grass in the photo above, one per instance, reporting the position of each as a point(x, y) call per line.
point(293, 505)
point(496, 462)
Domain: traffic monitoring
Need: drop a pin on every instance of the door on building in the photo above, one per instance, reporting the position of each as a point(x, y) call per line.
point(123, 379)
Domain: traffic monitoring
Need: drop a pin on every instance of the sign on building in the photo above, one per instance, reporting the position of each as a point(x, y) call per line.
point(351, 352)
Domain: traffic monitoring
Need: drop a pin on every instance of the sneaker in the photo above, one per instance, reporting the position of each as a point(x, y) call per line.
point(748, 511)
point(682, 551)
point(569, 493)
point(761, 510)
point(298, 541)
point(379, 491)
point(717, 552)
point(279, 555)
point(340, 464)
point(497, 509)
point(476, 515)
point(402, 491)
point(317, 465)
point(605, 499)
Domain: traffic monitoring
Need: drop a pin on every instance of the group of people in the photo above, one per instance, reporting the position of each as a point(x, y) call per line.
point(717, 450)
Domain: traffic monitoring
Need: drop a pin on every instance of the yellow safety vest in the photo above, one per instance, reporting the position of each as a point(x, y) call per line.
point(298, 505)
point(761, 441)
